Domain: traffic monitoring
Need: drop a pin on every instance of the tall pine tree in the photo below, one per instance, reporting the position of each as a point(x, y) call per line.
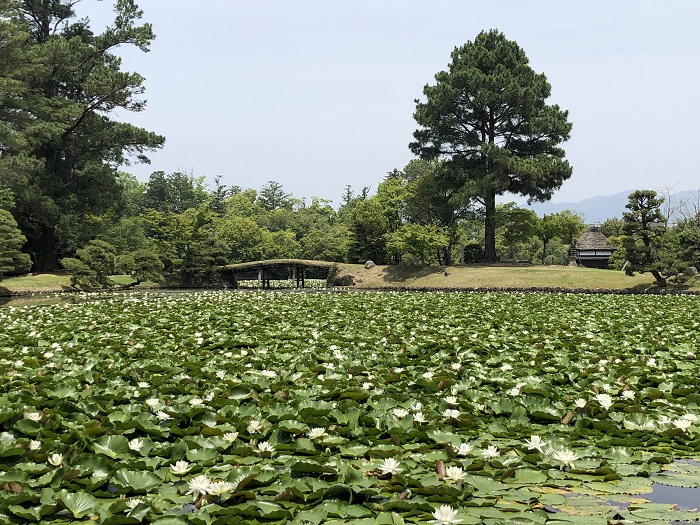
point(487, 117)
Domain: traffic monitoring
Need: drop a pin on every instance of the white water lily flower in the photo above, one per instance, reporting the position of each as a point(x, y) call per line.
point(219, 487)
point(664, 420)
point(400, 412)
point(418, 417)
point(464, 449)
point(220, 374)
point(195, 401)
point(505, 367)
point(689, 417)
point(454, 474)
point(515, 391)
point(152, 402)
point(32, 416)
point(490, 452)
point(628, 394)
point(445, 515)
point(417, 406)
point(535, 443)
point(270, 374)
point(199, 485)
point(566, 457)
point(162, 416)
point(605, 400)
point(317, 432)
point(180, 467)
point(451, 400)
point(264, 447)
point(143, 384)
point(34, 444)
point(136, 444)
point(254, 426)
point(390, 466)
point(132, 503)
point(580, 402)
point(230, 436)
point(451, 412)
point(456, 366)
point(55, 459)
point(428, 375)
point(682, 424)
point(367, 385)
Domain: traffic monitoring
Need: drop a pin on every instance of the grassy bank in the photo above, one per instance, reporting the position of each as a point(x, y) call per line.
point(39, 283)
point(490, 276)
point(471, 276)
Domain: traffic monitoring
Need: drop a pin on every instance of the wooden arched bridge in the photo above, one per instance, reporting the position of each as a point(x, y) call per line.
point(276, 269)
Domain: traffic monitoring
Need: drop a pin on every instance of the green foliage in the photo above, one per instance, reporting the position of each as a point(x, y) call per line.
point(273, 197)
point(689, 237)
point(82, 276)
point(94, 264)
point(328, 244)
point(556, 232)
point(612, 227)
point(424, 242)
point(63, 82)
point(12, 260)
point(142, 265)
point(369, 224)
point(647, 243)
point(174, 193)
point(488, 118)
point(570, 225)
point(515, 225)
point(243, 237)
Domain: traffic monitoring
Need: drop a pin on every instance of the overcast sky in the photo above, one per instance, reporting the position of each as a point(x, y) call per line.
point(318, 94)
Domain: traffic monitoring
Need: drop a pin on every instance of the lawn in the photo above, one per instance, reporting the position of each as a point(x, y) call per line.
point(491, 276)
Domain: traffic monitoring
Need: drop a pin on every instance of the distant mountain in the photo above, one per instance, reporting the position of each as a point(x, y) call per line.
point(598, 209)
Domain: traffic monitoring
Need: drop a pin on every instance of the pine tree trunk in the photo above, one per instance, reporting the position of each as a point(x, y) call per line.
point(47, 261)
point(490, 227)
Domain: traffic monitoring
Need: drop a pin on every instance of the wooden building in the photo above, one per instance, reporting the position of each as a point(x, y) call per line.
point(591, 249)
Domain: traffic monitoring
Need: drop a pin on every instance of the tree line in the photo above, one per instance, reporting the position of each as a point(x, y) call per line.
point(484, 129)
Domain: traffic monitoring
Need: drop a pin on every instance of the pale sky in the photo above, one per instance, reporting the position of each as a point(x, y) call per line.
point(317, 94)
